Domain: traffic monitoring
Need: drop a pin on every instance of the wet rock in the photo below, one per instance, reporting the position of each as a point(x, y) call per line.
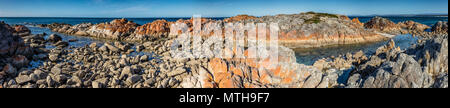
point(73, 40)
point(54, 38)
point(20, 61)
point(10, 69)
point(10, 44)
point(61, 44)
point(21, 30)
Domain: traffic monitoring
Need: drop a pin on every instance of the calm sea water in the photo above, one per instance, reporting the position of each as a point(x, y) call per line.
point(424, 20)
point(73, 21)
point(310, 55)
point(304, 56)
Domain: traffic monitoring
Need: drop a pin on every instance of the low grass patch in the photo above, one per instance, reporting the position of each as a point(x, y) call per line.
point(317, 16)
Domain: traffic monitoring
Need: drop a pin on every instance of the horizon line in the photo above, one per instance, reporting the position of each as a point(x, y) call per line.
point(370, 15)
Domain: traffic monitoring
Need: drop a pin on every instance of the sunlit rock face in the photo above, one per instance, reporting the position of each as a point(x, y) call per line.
point(157, 28)
point(356, 20)
point(239, 18)
point(320, 29)
point(258, 73)
point(118, 29)
point(413, 26)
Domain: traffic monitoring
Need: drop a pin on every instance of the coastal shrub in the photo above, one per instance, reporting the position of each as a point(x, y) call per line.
point(317, 16)
point(323, 15)
point(313, 20)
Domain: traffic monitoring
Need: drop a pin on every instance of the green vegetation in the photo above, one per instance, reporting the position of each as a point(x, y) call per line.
point(316, 18)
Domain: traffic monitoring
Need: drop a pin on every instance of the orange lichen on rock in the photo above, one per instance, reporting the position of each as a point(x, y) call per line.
point(256, 72)
point(239, 18)
point(356, 20)
point(222, 78)
point(344, 17)
point(155, 28)
point(119, 25)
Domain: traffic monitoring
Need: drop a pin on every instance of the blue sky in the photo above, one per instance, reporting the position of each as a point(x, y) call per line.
point(212, 8)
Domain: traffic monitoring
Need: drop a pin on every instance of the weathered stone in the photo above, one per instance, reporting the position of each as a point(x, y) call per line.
point(56, 70)
point(53, 57)
point(10, 69)
point(54, 38)
point(21, 79)
point(133, 79)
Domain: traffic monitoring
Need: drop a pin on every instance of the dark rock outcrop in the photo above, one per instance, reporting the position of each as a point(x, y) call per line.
point(440, 27)
point(382, 24)
point(21, 30)
point(14, 53)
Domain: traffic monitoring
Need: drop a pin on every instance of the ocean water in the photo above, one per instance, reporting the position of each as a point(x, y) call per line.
point(305, 56)
point(73, 21)
point(427, 20)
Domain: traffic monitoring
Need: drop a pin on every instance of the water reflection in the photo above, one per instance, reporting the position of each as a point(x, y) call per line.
point(309, 55)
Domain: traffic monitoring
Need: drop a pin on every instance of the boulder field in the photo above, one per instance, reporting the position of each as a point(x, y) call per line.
point(110, 65)
point(296, 31)
point(302, 30)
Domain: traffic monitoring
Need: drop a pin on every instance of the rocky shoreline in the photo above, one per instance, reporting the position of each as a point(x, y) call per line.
point(122, 64)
